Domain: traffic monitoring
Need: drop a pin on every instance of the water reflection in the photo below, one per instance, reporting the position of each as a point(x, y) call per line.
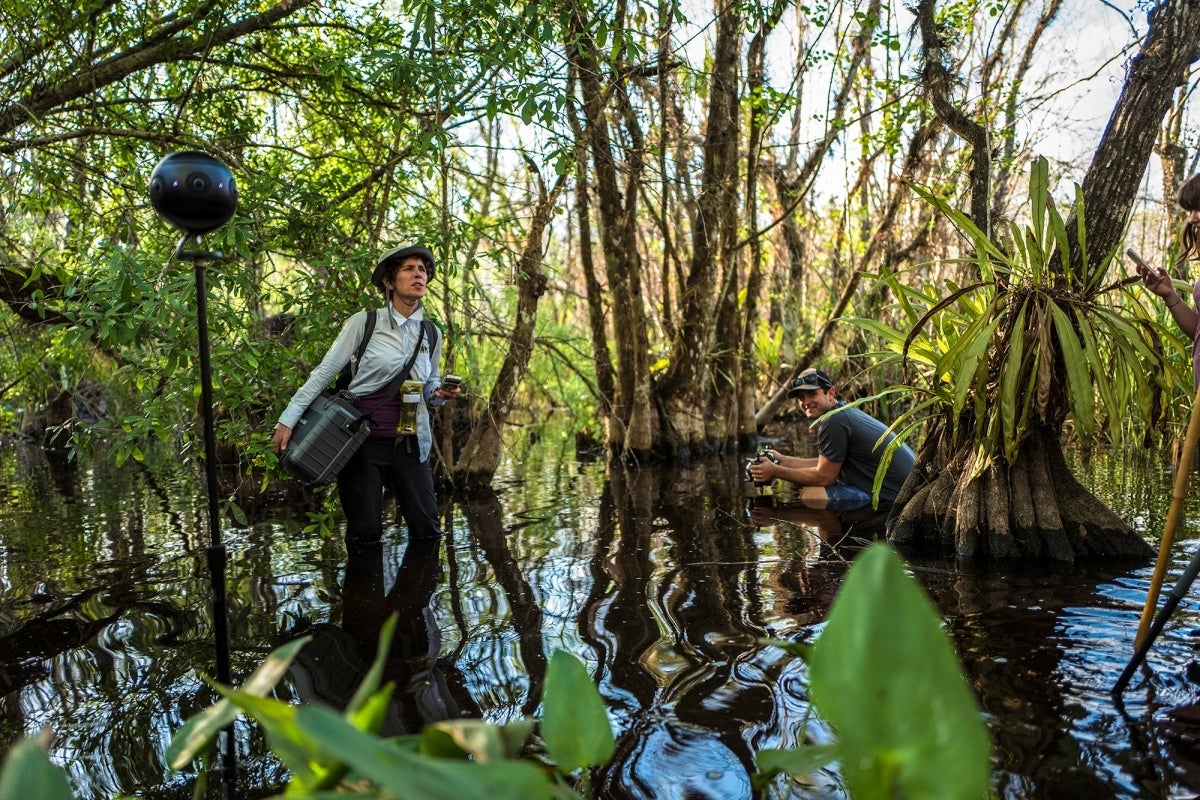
point(663, 581)
point(331, 666)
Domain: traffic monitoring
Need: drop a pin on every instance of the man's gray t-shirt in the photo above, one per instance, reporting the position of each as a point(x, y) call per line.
point(849, 437)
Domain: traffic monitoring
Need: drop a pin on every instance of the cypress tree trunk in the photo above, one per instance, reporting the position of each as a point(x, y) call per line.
point(1033, 508)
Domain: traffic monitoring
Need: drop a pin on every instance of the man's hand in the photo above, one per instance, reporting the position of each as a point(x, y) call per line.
point(764, 470)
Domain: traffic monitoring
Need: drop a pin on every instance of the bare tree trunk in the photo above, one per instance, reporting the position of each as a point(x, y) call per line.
point(1171, 45)
point(1173, 156)
point(605, 382)
point(745, 381)
point(687, 391)
point(480, 457)
point(938, 82)
point(632, 422)
point(1033, 508)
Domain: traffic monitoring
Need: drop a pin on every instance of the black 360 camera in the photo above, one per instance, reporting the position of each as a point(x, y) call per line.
point(193, 191)
point(759, 487)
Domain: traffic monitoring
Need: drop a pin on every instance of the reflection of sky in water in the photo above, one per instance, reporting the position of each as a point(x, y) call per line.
point(104, 623)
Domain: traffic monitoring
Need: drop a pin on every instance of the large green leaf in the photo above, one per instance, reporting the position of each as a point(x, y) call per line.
point(28, 774)
point(198, 733)
point(575, 723)
point(1080, 392)
point(303, 756)
point(884, 674)
point(407, 776)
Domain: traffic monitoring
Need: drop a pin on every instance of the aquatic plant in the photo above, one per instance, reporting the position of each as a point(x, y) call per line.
point(884, 675)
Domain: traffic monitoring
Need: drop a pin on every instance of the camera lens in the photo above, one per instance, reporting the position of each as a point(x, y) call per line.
point(198, 182)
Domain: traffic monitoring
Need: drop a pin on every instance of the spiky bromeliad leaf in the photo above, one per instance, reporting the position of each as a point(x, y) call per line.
point(1081, 396)
point(1053, 351)
point(1010, 380)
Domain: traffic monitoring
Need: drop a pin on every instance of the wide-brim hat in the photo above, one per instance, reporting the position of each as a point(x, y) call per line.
point(811, 380)
point(397, 255)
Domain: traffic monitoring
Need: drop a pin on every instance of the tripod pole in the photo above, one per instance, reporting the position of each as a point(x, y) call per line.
point(216, 549)
point(1182, 473)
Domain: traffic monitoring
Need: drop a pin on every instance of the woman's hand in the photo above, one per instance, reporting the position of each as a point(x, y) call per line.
point(1156, 280)
point(283, 435)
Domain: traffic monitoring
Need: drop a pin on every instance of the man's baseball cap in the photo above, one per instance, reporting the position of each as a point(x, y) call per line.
point(810, 380)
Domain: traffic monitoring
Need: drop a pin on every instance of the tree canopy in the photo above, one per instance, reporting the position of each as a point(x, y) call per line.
point(648, 215)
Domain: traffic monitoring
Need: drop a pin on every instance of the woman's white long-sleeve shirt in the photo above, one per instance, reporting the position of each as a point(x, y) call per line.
point(388, 350)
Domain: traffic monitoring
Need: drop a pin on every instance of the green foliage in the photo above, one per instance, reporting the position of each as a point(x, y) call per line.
point(768, 347)
point(340, 126)
point(885, 676)
point(574, 722)
point(28, 773)
point(1031, 342)
point(455, 759)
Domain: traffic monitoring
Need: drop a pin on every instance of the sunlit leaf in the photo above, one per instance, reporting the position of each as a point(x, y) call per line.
point(478, 740)
point(914, 729)
point(575, 722)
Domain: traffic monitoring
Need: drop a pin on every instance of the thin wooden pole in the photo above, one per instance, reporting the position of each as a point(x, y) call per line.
point(1182, 473)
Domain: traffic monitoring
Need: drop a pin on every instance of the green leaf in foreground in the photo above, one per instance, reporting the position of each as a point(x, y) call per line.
point(28, 773)
point(884, 674)
point(198, 733)
point(575, 724)
point(408, 776)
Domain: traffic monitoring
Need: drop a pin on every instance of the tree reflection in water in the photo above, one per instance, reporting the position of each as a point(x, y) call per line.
point(662, 580)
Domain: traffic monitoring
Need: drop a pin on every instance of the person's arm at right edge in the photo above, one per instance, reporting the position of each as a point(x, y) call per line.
point(1158, 282)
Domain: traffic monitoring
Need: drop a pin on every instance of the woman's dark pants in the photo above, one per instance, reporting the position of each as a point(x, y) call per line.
point(397, 464)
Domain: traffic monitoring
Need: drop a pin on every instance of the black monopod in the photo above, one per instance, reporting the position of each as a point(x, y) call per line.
point(1177, 593)
point(196, 193)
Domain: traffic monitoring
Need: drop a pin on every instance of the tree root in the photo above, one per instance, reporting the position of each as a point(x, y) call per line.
point(1032, 508)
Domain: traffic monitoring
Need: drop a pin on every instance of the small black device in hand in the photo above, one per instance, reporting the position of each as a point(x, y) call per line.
point(450, 382)
point(760, 487)
point(1141, 262)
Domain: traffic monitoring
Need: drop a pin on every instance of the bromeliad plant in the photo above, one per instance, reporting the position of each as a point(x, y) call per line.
point(1000, 366)
point(1029, 343)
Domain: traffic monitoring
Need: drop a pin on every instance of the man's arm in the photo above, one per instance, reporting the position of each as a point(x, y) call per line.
point(819, 471)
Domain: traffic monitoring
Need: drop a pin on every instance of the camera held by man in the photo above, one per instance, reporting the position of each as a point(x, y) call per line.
point(754, 488)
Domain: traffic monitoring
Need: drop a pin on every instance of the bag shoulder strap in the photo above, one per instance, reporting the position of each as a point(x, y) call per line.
point(431, 333)
point(368, 329)
point(351, 369)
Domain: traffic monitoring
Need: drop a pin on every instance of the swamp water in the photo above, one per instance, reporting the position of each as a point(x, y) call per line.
point(659, 579)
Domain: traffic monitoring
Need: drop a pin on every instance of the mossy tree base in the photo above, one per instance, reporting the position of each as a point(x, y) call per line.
point(1032, 508)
